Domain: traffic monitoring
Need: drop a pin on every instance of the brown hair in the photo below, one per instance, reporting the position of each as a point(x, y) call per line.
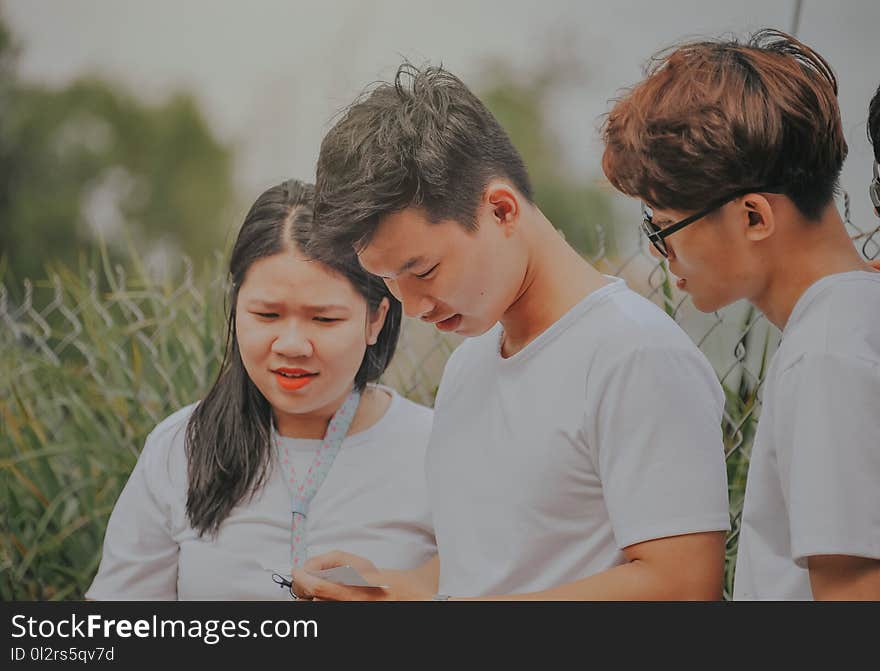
point(424, 140)
point(716, 117)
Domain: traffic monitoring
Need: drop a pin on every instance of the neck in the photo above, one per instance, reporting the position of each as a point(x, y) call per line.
point(555, 280)
point(308, 424)
point(814, 250)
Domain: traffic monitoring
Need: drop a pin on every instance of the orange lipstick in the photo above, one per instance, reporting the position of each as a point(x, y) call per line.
point(292, 379)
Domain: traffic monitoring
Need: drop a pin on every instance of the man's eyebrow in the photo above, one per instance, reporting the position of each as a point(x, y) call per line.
point(414, 261)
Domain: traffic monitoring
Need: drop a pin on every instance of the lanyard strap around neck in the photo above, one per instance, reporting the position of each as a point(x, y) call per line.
point(303, 490)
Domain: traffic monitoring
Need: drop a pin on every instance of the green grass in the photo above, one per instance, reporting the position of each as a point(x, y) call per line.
point(73, 423)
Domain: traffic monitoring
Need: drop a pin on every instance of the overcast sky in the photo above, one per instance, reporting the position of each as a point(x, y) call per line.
point(271, 74)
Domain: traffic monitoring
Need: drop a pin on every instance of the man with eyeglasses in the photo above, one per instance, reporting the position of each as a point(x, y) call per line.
point(736, 151)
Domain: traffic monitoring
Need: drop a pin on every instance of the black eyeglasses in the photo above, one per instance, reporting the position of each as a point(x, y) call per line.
point(658, 235)
point(874, 189)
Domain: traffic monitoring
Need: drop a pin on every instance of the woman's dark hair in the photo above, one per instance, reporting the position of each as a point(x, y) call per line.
point(874, 124)
point(228, 436)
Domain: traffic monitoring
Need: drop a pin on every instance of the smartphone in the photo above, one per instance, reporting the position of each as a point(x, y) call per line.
point(345, 575)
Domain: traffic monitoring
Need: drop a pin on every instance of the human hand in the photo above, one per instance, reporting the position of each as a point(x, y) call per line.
point(399, 587)
point(338, 558)
point(310, 587)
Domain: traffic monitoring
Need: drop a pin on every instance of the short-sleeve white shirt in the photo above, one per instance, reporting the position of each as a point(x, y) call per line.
point(813, 485)
point(602, 432)
point(373, 503)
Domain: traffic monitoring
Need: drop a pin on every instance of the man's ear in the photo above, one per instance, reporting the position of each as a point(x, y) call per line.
point(759, 220)
point(504, 203)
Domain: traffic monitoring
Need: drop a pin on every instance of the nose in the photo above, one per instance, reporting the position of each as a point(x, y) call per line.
point(654, 251)
point(415, 303)
point(293, 343)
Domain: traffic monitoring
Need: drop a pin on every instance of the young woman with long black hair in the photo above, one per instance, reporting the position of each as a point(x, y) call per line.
point(239, 485)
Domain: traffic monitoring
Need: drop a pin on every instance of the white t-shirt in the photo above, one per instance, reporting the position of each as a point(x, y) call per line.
point(373, 503)
point(602, 432)
point(814, 478)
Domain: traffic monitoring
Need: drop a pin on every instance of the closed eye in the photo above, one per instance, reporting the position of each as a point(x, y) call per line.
point(266, 315)
point(425, 274)
point(327, 320)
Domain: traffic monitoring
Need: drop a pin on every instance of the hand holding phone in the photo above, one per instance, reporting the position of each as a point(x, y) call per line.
point(345, 575)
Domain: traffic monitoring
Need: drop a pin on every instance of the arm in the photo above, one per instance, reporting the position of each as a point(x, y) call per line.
point(423, 579)
point(663, 478)
point(404, 585)
point(844, 578)
point(686, 568)
point(654, 571)
point(829, 468)
point(139, 556)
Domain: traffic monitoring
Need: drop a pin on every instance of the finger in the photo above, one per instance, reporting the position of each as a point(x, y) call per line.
point(374, 576)
point(307, 586)
point(303, 584)
point(327, 560)
point(334, 592)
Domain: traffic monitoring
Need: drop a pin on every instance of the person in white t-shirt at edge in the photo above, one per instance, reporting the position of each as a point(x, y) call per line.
point(576, 451)
point(238, 487)
point(736, 150)
point(874, 137)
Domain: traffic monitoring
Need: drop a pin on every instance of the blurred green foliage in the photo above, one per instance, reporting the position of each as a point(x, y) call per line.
point(89, 160)
point(77, 402)
point(579, 209)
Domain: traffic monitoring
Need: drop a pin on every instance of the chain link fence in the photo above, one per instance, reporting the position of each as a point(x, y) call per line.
point(90, 362)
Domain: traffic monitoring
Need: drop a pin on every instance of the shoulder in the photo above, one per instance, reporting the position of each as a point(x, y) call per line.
point(629, 332)
point(169, 429)
point(841, 322)
point(847, 373)
point(415, 413)
point(628, 342)
point(407, 415)
point(820, 389)
point(164, 452)
point(405, 423)
point(632, 322)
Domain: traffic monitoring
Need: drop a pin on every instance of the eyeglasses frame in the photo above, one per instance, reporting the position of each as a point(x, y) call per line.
point(658, 235)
